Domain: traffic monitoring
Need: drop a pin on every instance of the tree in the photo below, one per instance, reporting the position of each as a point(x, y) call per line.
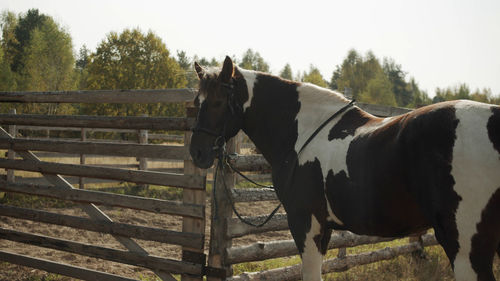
point(48, 59)
point(8, 23)
point(420, 98)
point(396, 75)
point(134, 60)
point(23, 32)
point(378, 91)
point(40, 56)
point(286, 72)
point(355, 72)
point(187, 66)
point(314, 77)
point(252, 60)
point(7, 79)
point(81, 67)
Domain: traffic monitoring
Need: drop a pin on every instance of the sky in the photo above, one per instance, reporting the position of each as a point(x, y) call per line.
point(439, 43)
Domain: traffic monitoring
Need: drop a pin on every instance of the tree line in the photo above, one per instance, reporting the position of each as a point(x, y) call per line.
point(36, 54)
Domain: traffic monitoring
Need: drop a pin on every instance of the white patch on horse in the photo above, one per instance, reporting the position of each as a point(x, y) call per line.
point(474, 168)
point(317, 105)
point(250, 78)
point(312, 258)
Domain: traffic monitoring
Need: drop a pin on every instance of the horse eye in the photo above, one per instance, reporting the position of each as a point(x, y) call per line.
point(217, 104)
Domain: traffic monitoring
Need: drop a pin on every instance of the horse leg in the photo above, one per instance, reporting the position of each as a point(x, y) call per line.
point(486, 241)
point(475, 258)
point(312, 246)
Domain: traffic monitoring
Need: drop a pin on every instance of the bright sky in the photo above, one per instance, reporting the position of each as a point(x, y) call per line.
point(440, 43)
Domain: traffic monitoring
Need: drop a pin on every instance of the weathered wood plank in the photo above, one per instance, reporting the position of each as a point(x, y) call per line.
point(250, 163)
point(102, 96)
point(276, 249)
point(147, 261)
point(111, 199)
point(175, 180)
point(253, 194)
point(292, 273)
point(237, 228)
point(60, 268)
point(101, 148)
point(116, 122)
point(382, 110)
point(114, 228)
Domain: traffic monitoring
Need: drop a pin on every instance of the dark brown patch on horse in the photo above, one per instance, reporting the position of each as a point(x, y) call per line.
point(487, 239)
point(493, 127)
point(428, 140)
point(348, 124)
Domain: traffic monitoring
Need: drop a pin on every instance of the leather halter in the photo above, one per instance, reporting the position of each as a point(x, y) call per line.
point(233, 109)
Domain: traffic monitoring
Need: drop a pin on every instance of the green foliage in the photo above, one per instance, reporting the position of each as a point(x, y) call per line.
point(400, 88)
point(462, 91)
point(81, 67)
point(371, 82)
point(378, 91)
point(134, 60)
point(314, 77)
point(23, 33)
point(39, 55)
point(7, 77)
point(48, 59)
point(252, 60)
point(286, 72)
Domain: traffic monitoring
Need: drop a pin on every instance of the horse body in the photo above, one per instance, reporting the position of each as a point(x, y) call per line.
point(437, 166)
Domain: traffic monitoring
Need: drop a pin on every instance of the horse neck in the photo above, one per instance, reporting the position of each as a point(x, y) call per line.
point(280, 114)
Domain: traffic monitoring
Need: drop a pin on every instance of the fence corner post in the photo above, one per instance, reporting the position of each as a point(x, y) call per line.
point(222, 213)
point(191, 196)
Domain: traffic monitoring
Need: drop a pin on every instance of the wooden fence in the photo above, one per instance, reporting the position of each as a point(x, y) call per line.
point(194, 264)
point(20, 157)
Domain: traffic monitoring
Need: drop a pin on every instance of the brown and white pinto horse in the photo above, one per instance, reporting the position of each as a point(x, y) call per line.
point(437, 166)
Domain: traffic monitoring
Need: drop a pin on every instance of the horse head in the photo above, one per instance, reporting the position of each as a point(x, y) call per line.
point(220, 101)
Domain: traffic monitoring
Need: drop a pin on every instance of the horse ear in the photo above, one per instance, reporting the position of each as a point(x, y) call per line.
point(227, 70)
point(199, 70)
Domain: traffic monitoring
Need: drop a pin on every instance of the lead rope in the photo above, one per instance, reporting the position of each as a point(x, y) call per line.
point(223, 159)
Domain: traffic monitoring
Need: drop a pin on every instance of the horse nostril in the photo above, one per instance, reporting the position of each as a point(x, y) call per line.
point(198, 154)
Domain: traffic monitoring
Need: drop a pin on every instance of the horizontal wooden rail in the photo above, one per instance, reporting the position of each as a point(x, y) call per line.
point(251, 163)
point(101, 148)
point(253, 194)
point(113, 228)
point(110, 199)
point(84, 121)
point(174, 180)
point(382, 110)
point(89, 130)
point(236, 228)
point(292, 273)
point(102, 96)
point(69, 179)
point(60, 268)
point(147, 261)
point(284, 248)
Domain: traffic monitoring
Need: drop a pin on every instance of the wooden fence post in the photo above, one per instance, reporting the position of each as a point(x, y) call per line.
point(83, 137)
point(221, 215)
point(11, 154)
point(191, 196)
point(143, 162)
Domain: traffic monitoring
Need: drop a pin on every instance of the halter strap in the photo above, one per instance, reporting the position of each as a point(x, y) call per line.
point(316, 132)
